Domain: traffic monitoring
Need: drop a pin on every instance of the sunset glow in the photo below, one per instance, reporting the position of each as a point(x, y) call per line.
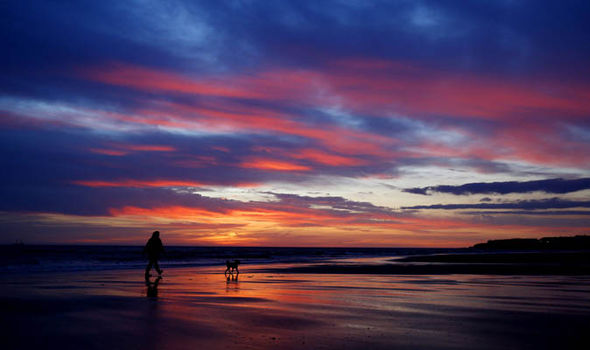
point(329, 124)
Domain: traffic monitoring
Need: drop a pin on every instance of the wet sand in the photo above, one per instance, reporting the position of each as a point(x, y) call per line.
point(197, 308)
point(497, 263)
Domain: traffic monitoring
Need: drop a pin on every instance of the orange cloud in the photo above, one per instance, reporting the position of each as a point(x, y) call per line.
point(283, 224)
point(271, 164)
point(261, 225)
point(320, 157)
point(173, 212)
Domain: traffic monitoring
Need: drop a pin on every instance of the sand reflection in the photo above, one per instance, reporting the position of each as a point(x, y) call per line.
point(202, 307)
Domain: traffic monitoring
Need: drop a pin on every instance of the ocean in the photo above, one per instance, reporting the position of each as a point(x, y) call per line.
point(55, 258)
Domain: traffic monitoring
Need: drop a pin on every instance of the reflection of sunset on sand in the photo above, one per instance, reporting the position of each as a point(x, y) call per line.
point(200, 307)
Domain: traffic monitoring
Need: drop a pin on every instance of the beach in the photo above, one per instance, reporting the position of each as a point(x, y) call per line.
point(273, 306)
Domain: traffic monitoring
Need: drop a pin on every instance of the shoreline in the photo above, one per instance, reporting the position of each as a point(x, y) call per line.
point(474, 263)
point(468, 262)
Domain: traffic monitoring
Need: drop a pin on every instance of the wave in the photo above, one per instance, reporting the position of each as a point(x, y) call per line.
point(47, 258)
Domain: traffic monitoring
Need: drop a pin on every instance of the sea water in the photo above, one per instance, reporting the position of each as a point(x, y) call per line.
point(48, 258)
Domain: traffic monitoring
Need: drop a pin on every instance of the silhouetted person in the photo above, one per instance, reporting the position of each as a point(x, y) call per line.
point(153, 249)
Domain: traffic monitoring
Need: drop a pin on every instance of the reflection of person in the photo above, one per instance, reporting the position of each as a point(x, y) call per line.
point(153, 249)
point(152, 287)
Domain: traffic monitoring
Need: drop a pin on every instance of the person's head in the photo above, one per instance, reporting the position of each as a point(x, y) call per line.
point(156, 234)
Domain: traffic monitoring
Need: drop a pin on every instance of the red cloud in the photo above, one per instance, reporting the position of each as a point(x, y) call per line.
point(325, 158)
point(373, 87)
point(108, 152)
point(370, 85)
point(258, 119)
point(148, 79)
point(124, 149)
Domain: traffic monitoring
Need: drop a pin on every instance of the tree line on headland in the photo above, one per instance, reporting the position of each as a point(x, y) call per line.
point(545, 243)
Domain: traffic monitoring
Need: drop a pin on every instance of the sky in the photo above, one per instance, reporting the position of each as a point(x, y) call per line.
point(294, 123)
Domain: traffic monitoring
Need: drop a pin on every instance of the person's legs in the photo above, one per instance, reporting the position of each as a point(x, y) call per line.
point(149, 267)
point(157, 267)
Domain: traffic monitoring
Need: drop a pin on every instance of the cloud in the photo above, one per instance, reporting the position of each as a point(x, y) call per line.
point(271, 164)
point(533, 212)
point(336, 204)
point(550, 203)
point(362, 85)
point(183, 96)
point(549, 186)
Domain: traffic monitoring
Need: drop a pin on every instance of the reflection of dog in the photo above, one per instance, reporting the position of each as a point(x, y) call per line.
point(231, 266)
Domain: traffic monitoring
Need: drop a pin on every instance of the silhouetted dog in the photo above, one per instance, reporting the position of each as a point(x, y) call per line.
point(231, 266)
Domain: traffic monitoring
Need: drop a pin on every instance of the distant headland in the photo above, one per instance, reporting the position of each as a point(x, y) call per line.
point(545, 243)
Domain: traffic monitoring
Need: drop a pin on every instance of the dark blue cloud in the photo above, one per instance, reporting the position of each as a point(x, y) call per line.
point(80, 200)
point(504, 37)
point(42, 166)
point(548, 186)
point(337, 205)
point(550, 203)
point(532, 212)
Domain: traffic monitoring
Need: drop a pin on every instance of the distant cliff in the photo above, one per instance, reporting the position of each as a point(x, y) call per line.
point(575, 242)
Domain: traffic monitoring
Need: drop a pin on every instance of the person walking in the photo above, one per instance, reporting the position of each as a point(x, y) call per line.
point(153, 249)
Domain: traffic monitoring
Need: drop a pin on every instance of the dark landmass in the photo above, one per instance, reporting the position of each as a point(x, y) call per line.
point(547, 250)
point(545, 243)
point(545, 256)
